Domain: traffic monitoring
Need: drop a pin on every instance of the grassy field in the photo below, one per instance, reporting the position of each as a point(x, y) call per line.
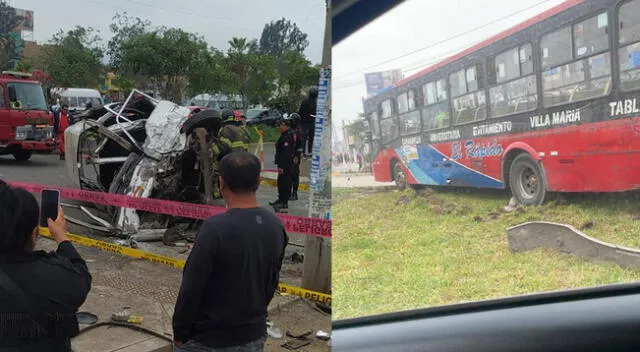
point(401, 250)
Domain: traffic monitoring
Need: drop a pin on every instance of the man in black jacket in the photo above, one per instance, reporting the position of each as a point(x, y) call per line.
point(40, 292)
point(299, 138)
point(284, 160)
point(233, 271)
point(307, 109)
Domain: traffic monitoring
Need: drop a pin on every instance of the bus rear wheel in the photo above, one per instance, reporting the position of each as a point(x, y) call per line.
point(399, 177)
point(22, 155)
point(527, 181)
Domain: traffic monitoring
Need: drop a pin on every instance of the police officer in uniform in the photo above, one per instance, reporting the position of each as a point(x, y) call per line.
point(299, 138)
point(232, 137)
point(284, 159)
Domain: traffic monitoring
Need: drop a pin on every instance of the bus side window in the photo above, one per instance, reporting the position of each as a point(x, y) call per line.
point(469, 101)
point(513, 82)
point(2, 102)
point(435, 114)
point(569, 76)
point(629, 44)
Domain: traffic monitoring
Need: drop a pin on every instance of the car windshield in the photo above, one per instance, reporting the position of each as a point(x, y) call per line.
point(253, 113)
point(82, 102)
point(30, 95)
point(489, 157)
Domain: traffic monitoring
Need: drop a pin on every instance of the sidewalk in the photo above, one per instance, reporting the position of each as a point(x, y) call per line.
point(150, 290)
point(357, 181)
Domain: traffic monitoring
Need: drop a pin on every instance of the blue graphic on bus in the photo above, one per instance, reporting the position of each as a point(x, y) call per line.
point(435, 169)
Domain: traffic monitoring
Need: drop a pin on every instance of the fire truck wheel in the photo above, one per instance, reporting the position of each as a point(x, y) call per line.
point(398, 177)
point(22, 155)
point(527, 181)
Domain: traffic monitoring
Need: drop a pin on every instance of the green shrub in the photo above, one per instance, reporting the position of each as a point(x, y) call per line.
point(271, 134)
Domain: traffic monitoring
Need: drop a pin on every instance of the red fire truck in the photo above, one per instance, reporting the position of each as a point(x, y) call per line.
point(26, 123)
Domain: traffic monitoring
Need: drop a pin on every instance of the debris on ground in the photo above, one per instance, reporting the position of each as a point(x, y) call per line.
point(299, 340)
point(587, 225)
point(513, 204)
point(273, 331)
point(323, 335)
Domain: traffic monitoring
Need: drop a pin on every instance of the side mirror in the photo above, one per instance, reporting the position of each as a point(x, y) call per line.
point(12, 94)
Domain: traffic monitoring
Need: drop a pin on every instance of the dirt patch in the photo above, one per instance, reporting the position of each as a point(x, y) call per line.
point(306, 318)
point(405, 199)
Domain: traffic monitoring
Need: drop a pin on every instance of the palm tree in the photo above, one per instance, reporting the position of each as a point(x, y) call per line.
point(238, 45)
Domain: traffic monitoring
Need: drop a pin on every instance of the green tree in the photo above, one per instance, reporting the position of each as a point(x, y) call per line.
point(8, 21)
point(165, 56)
point(24, 66)
point(209, 73)
point(279, 37)
point(124, 28)
point(75, 58)
point(262, 78)
point(297, 74)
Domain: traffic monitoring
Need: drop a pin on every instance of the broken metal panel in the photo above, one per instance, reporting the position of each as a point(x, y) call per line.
point(163, 130)
point(97, 219)
point(138, 148)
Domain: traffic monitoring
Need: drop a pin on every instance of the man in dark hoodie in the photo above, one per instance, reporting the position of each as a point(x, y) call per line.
point(307, 109)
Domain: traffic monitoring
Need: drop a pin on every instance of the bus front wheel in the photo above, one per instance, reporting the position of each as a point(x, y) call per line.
point(398, 177)
point(527, 181)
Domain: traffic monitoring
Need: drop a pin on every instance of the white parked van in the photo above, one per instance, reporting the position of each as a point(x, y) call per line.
point(77, 98)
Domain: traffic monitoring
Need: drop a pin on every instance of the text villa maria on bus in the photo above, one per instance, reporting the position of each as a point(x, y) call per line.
point(537, 121)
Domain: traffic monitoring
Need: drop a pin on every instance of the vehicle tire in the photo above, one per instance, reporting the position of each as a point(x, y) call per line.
point(22, 155)
point(527, 181)
point(209, 119)
point(398, 177)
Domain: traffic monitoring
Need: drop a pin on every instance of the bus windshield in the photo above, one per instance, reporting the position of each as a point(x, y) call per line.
point(30, 96)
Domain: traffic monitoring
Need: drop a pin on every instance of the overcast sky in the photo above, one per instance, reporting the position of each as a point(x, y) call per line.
point(217, 20)
point(413, 25)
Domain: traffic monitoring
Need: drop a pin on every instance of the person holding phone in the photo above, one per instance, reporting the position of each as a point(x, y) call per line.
point(40, 292)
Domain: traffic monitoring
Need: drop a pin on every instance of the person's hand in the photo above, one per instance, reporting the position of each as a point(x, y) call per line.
point(280, 171)
point(177, 343)
point(58, 228)
point(296, 160)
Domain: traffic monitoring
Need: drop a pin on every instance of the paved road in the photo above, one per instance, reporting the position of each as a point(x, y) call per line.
point(50, 170)
point(357, 180)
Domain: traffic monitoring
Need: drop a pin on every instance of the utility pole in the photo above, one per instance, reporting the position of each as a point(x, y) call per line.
point(317, 251)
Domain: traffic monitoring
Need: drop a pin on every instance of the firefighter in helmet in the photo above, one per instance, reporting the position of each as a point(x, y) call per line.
point(232, 136)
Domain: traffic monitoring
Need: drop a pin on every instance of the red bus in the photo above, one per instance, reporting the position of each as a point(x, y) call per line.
point(550, 105)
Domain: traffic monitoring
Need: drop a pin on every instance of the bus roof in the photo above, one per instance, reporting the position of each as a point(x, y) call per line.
point(542, 16)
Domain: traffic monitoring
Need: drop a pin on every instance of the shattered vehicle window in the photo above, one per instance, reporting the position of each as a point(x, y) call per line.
point(512, 172)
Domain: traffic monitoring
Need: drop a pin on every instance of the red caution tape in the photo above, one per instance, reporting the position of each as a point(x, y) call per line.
point(296, 224)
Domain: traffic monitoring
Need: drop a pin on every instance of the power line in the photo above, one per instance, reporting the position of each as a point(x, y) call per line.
point(448, 39)
point(420, 66)
point(414, 66)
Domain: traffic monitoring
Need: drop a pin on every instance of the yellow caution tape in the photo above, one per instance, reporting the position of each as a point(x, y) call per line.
point(304, 293)
point(114, 248)
point(176, 263)
point(274, 183)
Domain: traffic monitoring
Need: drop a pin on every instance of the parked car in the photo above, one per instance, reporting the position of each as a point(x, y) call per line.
point(262, 116)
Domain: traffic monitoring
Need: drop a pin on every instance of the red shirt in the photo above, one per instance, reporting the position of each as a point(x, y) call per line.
point(64, 123)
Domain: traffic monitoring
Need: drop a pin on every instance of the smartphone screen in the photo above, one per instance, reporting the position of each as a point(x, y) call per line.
point(49, 206)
